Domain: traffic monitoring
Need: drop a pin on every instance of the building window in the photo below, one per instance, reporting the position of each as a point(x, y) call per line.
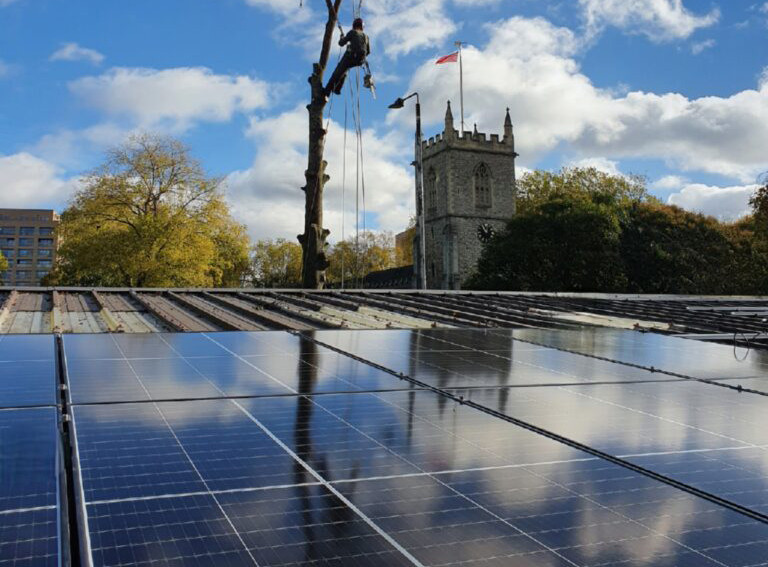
point(24, 262)
point(26, 241)
point(41, 274)
point(44, 263)
point(27, 231)
point(7, 230)
point(48, 242)
point(431, 191)
point(7, 242)
point(22, 275)
point(45, 231)
point(26, 253)
point(8, 253)
point(482, 186)
point(44, 253)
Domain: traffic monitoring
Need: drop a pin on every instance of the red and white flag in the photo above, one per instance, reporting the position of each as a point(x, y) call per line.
point(452, 58)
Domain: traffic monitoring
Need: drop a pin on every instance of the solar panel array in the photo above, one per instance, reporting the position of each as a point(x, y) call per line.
point(367, 448)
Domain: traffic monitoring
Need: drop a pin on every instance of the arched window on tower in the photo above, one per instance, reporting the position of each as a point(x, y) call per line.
point(483, 187)
point(431, 196)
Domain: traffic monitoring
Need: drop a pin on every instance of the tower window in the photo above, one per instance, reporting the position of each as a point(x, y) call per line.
point(482, 186)
point(431, 191)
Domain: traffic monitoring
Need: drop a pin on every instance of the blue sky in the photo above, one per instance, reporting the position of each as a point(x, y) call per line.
point(674, 90)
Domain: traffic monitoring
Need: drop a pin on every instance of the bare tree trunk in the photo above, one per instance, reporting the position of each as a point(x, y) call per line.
point(314, 259)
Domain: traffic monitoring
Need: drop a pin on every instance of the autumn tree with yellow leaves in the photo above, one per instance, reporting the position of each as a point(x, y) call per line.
point(150, 216)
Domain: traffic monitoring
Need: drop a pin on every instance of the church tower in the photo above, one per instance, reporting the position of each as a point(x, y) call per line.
point(469, 195)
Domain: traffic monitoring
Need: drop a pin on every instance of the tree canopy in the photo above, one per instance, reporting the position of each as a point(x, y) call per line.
point(276, 263)
point(359, 256)
point(3, 266)
point(582, 230)
point(150, 216)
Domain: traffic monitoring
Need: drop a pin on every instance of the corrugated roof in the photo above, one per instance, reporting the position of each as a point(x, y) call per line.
point(79, 310)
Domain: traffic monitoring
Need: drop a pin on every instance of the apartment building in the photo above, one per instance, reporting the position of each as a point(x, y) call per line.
point(27, 241)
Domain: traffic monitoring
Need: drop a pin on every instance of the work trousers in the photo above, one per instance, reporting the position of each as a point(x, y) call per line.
point(340, 73)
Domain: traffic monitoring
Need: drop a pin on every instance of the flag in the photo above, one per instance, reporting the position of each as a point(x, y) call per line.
point(452, 58)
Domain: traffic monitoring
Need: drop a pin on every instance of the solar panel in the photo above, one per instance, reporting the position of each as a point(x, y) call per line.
point(29, 481)
point(684, 356)
point(468, 359)
point(27, 371)
point(133, 368)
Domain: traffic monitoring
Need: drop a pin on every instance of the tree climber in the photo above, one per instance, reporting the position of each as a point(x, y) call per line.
point(358, 49)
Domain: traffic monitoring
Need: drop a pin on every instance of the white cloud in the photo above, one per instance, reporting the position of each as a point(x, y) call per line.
point(172, 99)
point(529, 65)
point(725, 203)
point(5, 69)
point(74, 52)
point(669, 183)
point(29, 181)
point(75, 149)
point(4, 3)
point(403, 26)
point(286, 8)
point(396, 27)
point(659, 20)
point(267, 196)
point(599, 163)
point(701, 46)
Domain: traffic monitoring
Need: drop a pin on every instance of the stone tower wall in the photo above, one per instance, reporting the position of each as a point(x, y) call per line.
point(452, 221)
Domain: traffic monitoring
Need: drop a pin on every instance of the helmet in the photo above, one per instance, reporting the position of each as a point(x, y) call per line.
point(357, 24)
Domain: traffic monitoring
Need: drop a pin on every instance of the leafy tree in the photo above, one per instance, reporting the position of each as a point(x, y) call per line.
point(150, 216)
point(358, 257)
point(3, 266)
point(276, 263)
point(669, 250)
point(538, 187)
point(580, 230)
point(567, 244)
point(759, 203)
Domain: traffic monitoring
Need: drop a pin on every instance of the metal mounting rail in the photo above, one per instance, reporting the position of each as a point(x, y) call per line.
point(758, 516)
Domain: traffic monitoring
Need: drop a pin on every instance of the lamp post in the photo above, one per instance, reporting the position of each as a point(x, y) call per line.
point(419, 164)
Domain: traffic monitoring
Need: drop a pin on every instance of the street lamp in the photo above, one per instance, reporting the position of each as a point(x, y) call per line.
point(419, 163)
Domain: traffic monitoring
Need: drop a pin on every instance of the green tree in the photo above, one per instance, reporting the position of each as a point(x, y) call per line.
point(580, 230)
point(358, 257)
point(669, 250)
point(276, 263)
point(150, 216)
point(538, 187)
point(567, 244)
point(3, 266)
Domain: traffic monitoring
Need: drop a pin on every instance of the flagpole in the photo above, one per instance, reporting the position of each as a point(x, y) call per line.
point(461, 85)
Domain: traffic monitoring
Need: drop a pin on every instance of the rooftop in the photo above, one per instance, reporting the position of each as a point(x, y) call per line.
point(78, 310)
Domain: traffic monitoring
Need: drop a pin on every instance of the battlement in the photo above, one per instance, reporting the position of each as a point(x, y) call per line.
point(478, 141)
